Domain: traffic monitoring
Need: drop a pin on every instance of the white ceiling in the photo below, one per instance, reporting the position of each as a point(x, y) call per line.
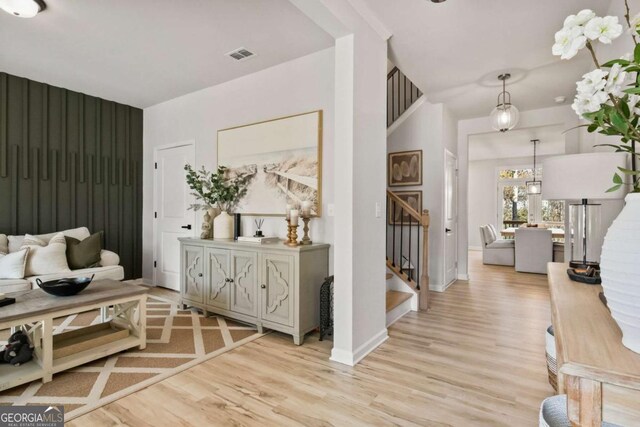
point(455, 50)
point(517, 143)
point(143, 52)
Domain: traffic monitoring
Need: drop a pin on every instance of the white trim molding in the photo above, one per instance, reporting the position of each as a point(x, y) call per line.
point(407, 113)
point(351, 359)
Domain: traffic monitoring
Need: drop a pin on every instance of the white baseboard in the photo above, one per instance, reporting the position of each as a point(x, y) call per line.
point(440, 287)
point(464, 277)
point(147, 282)
point(475, 248)
point(351, 359)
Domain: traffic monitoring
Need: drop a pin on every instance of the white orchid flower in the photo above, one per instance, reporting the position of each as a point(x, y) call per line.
point(581, 18)
point(633, 102)
point(569, 42)
point(585, 103)
point(635, 23)
point(603, 29)
point(592, 82)
point(616, 81)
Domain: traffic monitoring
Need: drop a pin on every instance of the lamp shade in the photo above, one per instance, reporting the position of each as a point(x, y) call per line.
point(582, 176)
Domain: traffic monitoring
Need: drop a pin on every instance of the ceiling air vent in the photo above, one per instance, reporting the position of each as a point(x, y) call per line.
point(241, 54)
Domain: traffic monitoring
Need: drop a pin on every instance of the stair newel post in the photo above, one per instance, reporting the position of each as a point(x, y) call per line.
point(401, 239)
point(411, 272)
point(424, 280)
point(393, 227)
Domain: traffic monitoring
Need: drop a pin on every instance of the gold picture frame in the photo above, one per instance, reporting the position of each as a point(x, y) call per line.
point(283, 154)
point(413, 199)
point(404, 168)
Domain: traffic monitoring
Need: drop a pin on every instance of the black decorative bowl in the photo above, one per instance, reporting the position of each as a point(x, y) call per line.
point(64, 287)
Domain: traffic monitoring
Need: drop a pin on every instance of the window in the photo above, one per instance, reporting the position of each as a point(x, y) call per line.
point(516, 207)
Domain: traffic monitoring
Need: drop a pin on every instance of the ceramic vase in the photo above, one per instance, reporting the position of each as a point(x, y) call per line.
point(621, 273)
point(223, 226)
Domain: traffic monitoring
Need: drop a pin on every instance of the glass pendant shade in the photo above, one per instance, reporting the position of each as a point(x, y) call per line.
point(22, 8)
point(534, 187)
point(504, 117)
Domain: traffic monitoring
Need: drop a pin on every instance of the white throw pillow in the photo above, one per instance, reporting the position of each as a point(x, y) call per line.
point(4, 244)
point(12, 265)
point(80, 233)
point(46, 258)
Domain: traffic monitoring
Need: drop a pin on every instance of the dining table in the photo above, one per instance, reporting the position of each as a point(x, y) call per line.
point(510, 233)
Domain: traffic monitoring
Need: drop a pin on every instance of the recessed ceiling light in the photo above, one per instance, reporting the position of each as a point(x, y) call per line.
point(23, 8)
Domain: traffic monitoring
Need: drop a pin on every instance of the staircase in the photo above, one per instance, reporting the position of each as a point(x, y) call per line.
point(401, 95)
point(407, 229)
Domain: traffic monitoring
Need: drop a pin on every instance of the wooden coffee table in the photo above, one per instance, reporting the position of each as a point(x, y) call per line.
point(123, 326)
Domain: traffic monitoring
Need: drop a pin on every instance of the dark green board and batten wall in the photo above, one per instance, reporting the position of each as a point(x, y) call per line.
point(69, 160)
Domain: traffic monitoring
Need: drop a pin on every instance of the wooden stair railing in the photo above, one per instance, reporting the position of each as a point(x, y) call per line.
point(401, 94)
point(408, 246)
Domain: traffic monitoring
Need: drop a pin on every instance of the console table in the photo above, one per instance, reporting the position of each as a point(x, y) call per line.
point(600, 376)
point(123, 315)
point(270, 285)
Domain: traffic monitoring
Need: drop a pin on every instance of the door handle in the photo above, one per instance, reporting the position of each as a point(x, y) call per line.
point(188, 226)
point(447, 230)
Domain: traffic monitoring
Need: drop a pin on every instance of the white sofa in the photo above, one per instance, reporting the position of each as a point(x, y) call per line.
point(534, 249)
point(496, 251)
point(109, 267)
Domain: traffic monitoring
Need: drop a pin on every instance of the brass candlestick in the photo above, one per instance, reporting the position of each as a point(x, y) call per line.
point(306, 240)
point(288, 231)
point(293, 236)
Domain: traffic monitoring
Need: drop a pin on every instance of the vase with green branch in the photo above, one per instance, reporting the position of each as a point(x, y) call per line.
point(217, 190)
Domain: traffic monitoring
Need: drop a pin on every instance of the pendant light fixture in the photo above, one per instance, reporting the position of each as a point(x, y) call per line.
point(535, 186)
point(23, 8)
point(505, 116)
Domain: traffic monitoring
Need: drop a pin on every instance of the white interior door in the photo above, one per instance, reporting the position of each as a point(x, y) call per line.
point(451, 218)
point(172, 217)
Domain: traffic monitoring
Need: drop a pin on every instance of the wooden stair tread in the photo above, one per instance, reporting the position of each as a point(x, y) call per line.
point(395, 298)
point(389, 276)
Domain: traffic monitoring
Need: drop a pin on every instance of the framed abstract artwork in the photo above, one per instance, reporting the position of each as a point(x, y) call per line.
point(405, 168)
point(282, 158)
point(413, 199)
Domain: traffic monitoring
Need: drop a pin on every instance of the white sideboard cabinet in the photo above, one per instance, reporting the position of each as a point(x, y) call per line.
point(270, 285)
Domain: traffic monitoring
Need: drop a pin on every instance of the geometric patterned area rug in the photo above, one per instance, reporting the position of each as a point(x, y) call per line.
point(176, 341)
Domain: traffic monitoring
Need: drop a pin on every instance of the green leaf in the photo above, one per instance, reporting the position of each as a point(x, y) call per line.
point(619, 122)
point(622, 62)
point(633, 90)
point(628, 171)
point(614, 188)
point(624, 107)
point(617, 179)
point(636, 54)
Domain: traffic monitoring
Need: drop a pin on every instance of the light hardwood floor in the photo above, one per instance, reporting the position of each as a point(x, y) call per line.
point(475, 359)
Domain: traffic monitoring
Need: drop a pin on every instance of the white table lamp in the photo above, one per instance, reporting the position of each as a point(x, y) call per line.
point(583, 177)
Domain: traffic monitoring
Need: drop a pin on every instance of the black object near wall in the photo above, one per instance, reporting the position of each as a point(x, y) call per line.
point(69, 160)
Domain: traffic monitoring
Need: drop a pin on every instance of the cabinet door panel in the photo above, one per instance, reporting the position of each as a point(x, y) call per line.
point(277, 288)
point(193, 273)
point(245, 282)
point(217, 266)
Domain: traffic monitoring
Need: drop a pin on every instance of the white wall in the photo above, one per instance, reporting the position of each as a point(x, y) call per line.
point(298, 86)
point(432, 129)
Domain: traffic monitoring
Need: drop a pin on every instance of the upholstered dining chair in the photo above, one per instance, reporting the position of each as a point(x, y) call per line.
point(534, 249)
point(496, 251)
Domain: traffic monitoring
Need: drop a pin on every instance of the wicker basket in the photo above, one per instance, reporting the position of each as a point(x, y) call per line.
point(553, 413)
point(552, 365)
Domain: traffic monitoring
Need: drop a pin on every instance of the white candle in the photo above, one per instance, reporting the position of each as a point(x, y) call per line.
point(294, 216)
point(288, 211)
point(306, 209)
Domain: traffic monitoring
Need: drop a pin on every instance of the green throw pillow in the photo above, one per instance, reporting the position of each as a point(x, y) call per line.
point(84, 253)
